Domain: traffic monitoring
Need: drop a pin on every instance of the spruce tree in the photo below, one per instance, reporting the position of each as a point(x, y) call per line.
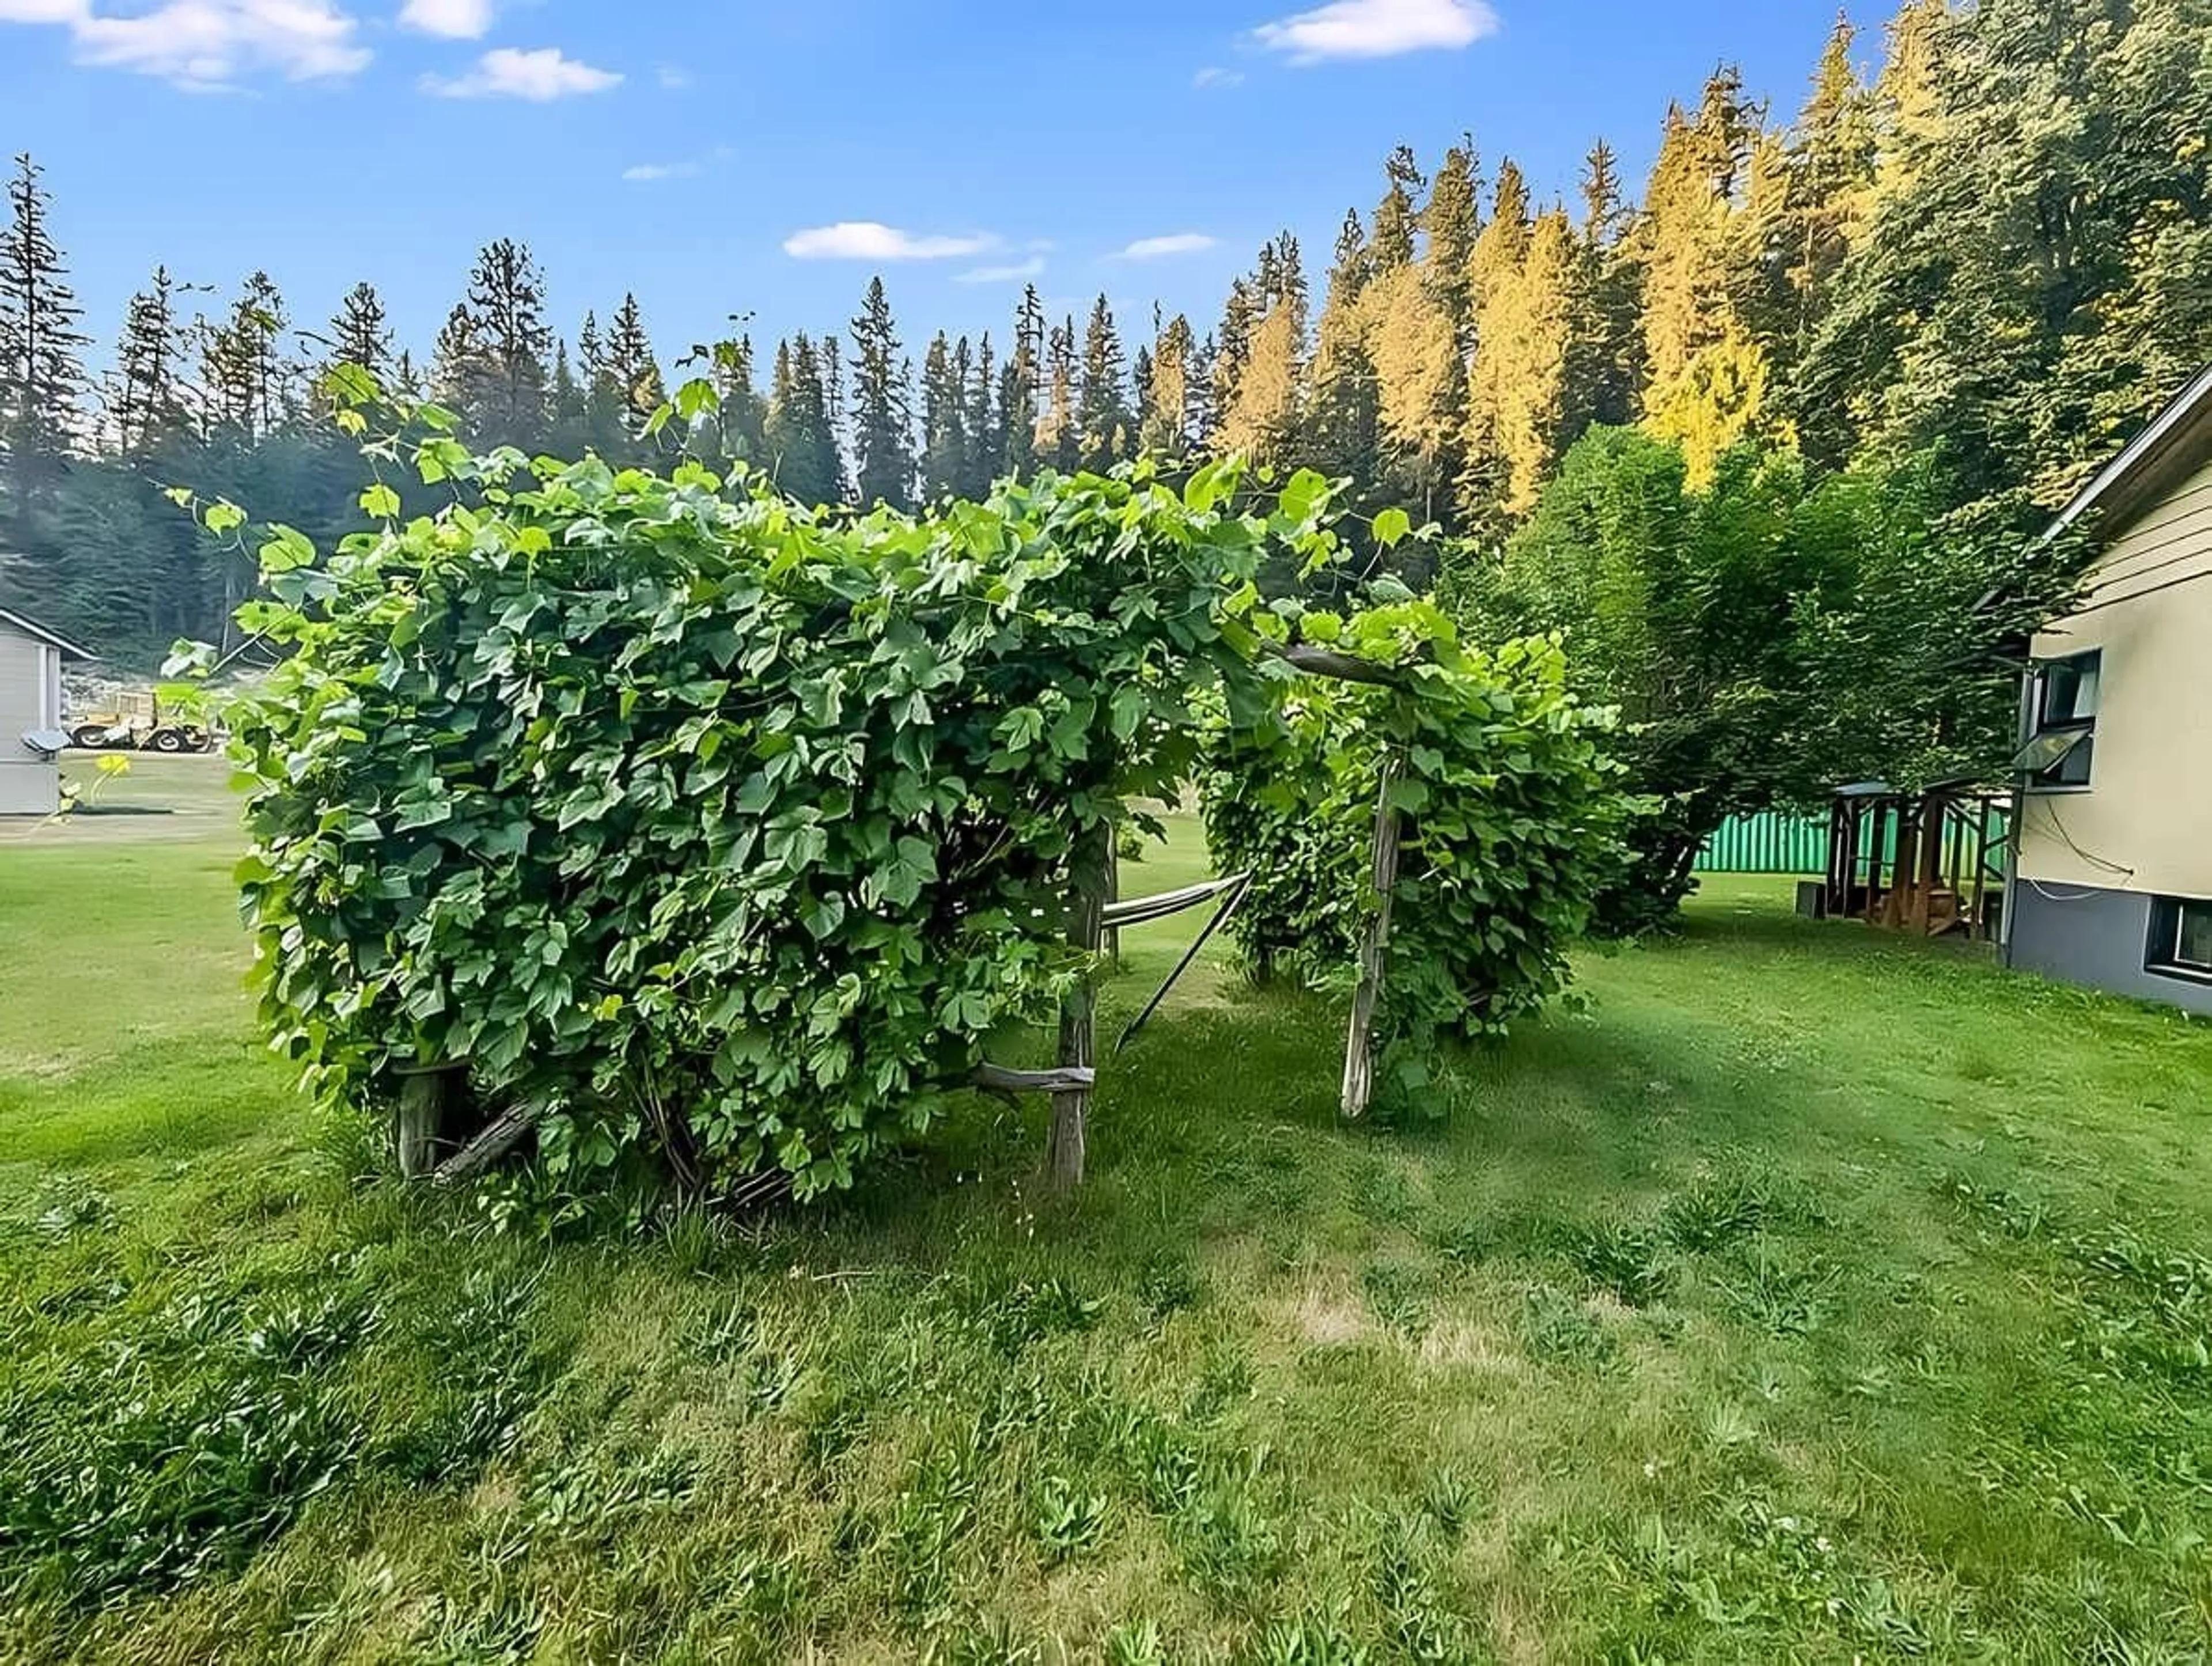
point(506, 398)
point(1021, 387)
point(151, 408)
point(1101, 411)
point(458, 364)
point(944, 421)
point(830, 355)
point(1395, 217)
point(1611, 351)
point(1341, 420)
point(242, 371)
point(630, 365)
point(744, 412)
point(1706, 373)
point(361, 334)
point(802, 450)
point(603, 429)
point(42, 380)
point(987, 446)
point(882, 413)
point(1058, 441)
point(569, 425)
point(1831, 180)
point(1167, 415)
point(1232, 345)
point(1452, 220)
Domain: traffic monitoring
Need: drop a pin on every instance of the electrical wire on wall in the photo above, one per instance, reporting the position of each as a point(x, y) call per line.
point(2059, 826)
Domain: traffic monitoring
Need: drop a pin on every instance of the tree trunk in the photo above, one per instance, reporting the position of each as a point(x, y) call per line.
point(1373, 947)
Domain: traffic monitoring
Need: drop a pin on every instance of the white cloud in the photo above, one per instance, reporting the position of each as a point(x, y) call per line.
point(1214, 76)
point(675, 79)
point(1154, 248)
point(870, 240)
point(1377, 28)
point(206, 44)
point(1020, 271)
point(457, 20)
point(540, 76)
point(645, 172)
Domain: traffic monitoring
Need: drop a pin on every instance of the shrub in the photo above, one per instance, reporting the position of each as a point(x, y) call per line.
point(1510, 823)
point(706, 824)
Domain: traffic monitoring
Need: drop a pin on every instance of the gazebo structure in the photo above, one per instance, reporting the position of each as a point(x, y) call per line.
point(1927, 863)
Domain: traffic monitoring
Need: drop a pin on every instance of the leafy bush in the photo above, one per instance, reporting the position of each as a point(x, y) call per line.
point(706, 823)
point(1510, 823)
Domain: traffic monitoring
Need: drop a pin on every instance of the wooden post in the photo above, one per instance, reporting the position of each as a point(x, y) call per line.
point(426, 1099)
point(1374, 945)
point(1113, 937)
point(1078, 1015)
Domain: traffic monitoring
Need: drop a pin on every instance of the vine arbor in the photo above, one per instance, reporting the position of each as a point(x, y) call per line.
point(691, 827)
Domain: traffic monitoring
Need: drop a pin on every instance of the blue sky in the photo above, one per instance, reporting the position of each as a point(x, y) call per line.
point(724, 156)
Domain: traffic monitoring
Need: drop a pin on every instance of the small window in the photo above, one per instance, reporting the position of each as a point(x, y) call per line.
point(2181, 937)
point(2063, 736)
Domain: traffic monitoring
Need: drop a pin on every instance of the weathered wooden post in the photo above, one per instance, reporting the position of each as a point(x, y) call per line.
point(1078, 1015)
point(1373, 947)
point(427, 1095)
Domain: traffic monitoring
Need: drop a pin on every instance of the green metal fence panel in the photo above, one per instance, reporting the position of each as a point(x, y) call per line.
point(1770, 842)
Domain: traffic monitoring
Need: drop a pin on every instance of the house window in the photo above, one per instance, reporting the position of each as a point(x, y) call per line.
point(2181, 937)
point(2062, 733)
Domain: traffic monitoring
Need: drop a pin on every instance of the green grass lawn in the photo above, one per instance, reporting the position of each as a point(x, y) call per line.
point(1811, 1295)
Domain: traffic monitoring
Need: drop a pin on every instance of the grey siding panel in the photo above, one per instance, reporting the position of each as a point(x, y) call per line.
point(19, 687)
point(29, 788)
point(2086, 934)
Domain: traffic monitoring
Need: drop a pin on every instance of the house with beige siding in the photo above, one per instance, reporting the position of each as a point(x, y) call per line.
point(2112, 873)
point(30, 660)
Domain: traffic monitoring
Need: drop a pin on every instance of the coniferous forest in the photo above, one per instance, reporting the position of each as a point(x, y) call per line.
point(1973, 269)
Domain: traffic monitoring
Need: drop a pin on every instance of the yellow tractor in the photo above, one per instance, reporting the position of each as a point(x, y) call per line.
point(132, 719)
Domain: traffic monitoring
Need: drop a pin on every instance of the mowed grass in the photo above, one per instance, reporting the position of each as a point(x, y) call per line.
point(1812, 1295)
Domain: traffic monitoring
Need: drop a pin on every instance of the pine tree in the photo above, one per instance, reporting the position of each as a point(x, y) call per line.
point(1257, 375)
point(1612, 359)
point(831, 357)
point(1140, 380)
point(744, 412)
point(630, 365)
point(505, 399)
point(1418, 380)
point(1058, 441)
point(1603, 215)
point(242, 374)
point(42, 380)
point(1907, 114)
point(1707, 374)
point(151, 409)
point(944, 421)
point(987, 445)
point(1395, 217)
point(1167, 415)
point(802, 449)
point(458, 362)
point(883, 412)
point(1453, 220)
point(1341, 415)
point(1494, 280)
point(1102, 409)
point(570, 427)
point(1530, 350)
point(1021, 387)
point(1832, 161)
point(1233, 346)
point(361, 334)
